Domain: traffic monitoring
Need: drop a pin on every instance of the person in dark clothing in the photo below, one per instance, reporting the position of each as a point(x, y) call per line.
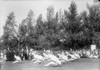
point(25, 55)
point(10, 56)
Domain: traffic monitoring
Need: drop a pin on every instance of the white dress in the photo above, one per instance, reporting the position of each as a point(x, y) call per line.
point(63, 58)
point(46, 56)
point(38, 58)
point(18, 59)
point(54, 61)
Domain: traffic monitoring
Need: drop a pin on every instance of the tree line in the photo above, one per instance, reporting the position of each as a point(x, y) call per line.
point(61, 30)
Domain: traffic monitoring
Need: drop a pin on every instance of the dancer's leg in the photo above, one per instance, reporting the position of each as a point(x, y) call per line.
point(15, 61)
point(51, 64)
point(37, 61)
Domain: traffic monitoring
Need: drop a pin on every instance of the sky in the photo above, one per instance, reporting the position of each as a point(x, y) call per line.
point(22, 7)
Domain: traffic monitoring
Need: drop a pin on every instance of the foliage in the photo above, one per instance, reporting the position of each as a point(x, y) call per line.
point(9, 31)
point(61, 30)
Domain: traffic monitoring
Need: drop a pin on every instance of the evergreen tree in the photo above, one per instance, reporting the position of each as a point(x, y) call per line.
point(94, 16)
point(26, 30)
point(9, 34)
point(56, 16)
point(73, 24)
point(39, 25)
point(50, 13)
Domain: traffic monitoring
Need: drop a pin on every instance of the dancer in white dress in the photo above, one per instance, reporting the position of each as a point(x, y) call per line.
point(3, 58)
point(76, 55)
point(54, 61)
point(37, 58)
point(63, 57)
point(18, 59)
point(71, 55)
point(46, 56)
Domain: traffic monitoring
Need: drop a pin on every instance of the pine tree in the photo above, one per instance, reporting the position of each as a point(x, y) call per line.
point(50, 13)
point(40, 25)
point(72, 12)
point(9, 31)
point(72, 17)
point(26, 30)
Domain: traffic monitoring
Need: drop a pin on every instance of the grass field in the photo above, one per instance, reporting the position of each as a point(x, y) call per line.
point(81, 64)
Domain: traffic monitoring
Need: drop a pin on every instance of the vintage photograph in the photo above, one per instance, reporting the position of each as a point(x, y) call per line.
point(49, 34)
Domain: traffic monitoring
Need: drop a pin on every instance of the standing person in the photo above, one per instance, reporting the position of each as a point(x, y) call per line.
point(25, 55)
point(22, 52)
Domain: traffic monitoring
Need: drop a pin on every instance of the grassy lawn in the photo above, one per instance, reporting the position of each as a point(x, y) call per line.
point(81, 64)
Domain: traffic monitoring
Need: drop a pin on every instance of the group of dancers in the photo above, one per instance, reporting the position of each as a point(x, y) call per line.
point(55, 58)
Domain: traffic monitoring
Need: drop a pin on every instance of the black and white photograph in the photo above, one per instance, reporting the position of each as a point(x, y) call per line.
point(49, 34)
